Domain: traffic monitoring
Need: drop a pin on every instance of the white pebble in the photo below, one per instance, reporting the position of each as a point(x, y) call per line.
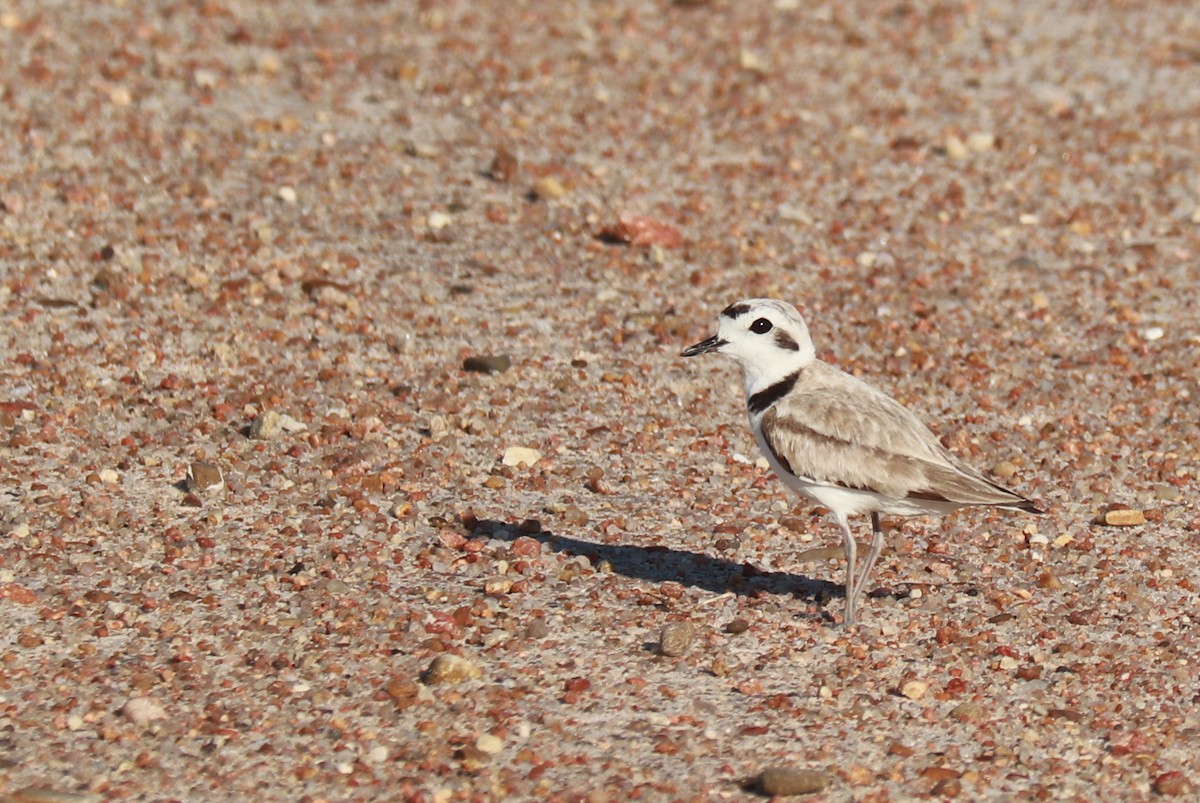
point(378, 754)
point(956, 149)
point(109, 475)
point(205, 79)
point(287, 195)
point(520, 456)
point(489, 743)
point(437, 220)
point(980, 142)
point(1153, 333)
point(794, 213)
point(750, 61)
point(143, 710)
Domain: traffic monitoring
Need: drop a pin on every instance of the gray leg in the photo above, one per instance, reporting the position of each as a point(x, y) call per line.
point(860, 582)
point(851, 553)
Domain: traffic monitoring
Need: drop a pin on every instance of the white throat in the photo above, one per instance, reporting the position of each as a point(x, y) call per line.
point(765, 368)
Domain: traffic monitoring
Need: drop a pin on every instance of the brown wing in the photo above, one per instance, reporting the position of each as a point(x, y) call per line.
point(866, 440)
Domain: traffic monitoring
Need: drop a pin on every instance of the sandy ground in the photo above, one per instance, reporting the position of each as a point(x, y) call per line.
point(262, 239)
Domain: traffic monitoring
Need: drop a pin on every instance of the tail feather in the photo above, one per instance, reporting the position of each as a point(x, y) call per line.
point(1025, 506)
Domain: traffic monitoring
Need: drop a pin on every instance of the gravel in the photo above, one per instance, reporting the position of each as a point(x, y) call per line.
point(210, 212)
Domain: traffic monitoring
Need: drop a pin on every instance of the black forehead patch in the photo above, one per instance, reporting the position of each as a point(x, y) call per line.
point(785, 341)
point(735, 310)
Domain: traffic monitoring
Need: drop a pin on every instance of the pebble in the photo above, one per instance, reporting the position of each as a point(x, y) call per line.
point(489, 743)
point(505, 166)
point(548, 188)
point(287, 194)
point(205, 79)
point(575, 516)
point(109, 475)
point(914, 689)
point(421, 150)
point(270, 423)
point(1049, 581)
point(537, 629)
point(265, 426)
point(737, 626)
point(643, 231)
point(980, 141)
point(498, 586)
point(17, 593)
point(402, 689)
point(956, 149)
point(487, 364)
point(1173, 784)
point(143, 710)
point(437, 221)
point(1165, 493)
point(204, 478)
point(968, 712)
point(793, 213)
point(675, 638)
point(1122, 518)
point(751, 62)
point(269, 64)
point(1004, 469)
point(447, 668)
point(786, 781)
point(520, 456)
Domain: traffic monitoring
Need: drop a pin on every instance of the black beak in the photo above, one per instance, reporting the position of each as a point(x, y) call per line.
point(714, 343)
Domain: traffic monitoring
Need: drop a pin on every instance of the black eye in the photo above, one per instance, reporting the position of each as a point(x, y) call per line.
point(761, 326)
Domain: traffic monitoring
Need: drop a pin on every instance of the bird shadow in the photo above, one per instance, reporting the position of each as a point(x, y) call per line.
point(659, 564)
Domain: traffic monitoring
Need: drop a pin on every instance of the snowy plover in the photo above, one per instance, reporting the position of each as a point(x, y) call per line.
point(835, 439)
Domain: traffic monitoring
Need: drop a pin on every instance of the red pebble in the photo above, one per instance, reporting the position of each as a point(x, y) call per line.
point(527, 547)
point(1173, 784)
point(18, 594)
point(578, 685)
point(643, 231)
point(452, 539)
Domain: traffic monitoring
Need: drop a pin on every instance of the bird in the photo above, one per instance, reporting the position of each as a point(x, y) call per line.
point(838, 440)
